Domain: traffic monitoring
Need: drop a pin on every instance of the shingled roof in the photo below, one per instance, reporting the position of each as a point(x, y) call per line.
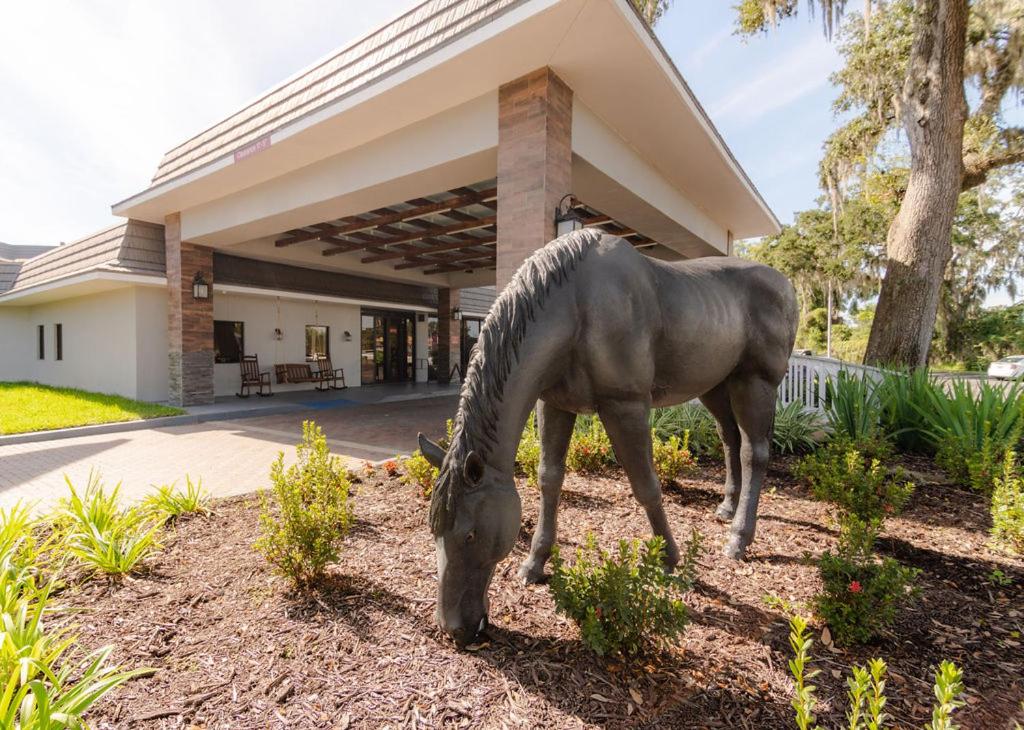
point(10, 252)
point(132, 247)
point(413, 35)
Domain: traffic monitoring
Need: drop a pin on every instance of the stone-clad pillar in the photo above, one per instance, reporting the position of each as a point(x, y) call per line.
point(449, 334)
point(189, 320)
point(534, 164)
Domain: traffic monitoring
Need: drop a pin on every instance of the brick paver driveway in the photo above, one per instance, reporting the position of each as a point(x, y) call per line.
point(231, 457)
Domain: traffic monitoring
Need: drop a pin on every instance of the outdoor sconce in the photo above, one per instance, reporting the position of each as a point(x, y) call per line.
point(200, 289)
point(347, 336)
point(278, 334)
point(457, 314)
point(567, 218)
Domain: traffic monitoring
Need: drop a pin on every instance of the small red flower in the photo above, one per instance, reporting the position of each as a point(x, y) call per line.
point(855, 586)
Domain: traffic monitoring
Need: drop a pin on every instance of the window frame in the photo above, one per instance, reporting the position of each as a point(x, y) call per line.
point(240, 324)
point(327, 341)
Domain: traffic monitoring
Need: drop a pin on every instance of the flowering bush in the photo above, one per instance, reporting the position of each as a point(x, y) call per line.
point(861, 593)
point(856, 484)
point(1008, 506)
point(420, 472)
point(672, 457)
point(390, 467)
point(624, 603)
point(590, 449)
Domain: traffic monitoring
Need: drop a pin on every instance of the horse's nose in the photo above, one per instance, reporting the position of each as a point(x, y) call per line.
point(466, 635)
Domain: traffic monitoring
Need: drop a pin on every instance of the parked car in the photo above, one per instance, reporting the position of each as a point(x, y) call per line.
point(1009, 367)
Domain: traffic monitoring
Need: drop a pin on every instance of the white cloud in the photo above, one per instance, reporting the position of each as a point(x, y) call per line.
point(699, 56)
point(796, 73)
point(94, 93)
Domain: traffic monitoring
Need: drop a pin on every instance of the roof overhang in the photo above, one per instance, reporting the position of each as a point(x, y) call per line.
point(76, 285)
point(601, 48)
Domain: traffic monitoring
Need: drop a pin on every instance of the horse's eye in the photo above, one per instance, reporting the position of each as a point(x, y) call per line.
point(470, 536)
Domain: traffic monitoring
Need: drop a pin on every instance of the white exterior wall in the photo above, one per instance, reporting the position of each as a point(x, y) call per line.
point(17, 344)
point(262, 314)
point(151, 343)
point(99, 334)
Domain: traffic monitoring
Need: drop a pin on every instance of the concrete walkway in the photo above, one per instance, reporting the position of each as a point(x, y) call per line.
point(231, 456)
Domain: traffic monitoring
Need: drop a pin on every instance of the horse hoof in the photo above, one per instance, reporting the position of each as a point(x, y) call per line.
point(530, 575)
point(724, 513)
point(734, 549)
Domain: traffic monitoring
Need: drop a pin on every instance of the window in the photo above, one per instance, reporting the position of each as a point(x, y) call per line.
point(318, 341)
point(58, 341)
point(228, 341)
point(42, 342)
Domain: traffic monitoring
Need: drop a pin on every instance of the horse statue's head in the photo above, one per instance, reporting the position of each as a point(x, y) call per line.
point(474, 515)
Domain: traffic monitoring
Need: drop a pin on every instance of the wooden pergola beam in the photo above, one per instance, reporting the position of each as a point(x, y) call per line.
point(420, 235)
point(386, 218)
point(437, 246)
point(417, 262)
point(484, 260)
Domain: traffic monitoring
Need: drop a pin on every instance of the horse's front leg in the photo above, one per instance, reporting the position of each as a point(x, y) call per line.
point(628, 427)
point(753, 403)
point(555, 427)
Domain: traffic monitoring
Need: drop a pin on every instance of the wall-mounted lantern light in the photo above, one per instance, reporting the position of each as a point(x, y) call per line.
point(278, 334)
point(457, 314)
point(567, 218)
point(347, 336)
point(200, 289)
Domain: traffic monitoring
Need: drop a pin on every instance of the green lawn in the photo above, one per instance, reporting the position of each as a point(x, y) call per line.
point(33, 407)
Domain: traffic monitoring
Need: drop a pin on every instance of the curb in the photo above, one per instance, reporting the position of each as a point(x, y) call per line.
point(98, 429)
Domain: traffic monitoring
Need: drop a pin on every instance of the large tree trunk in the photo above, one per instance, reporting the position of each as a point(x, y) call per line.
point(918, 245)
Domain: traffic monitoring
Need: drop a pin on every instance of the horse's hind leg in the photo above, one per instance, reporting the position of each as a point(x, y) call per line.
point(555, 428)
point(753, 405)
point(717, 402)
point(628, 427)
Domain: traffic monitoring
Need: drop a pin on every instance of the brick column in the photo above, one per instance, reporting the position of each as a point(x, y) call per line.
point(189, 320)
point(534, 164)
point(449, 334)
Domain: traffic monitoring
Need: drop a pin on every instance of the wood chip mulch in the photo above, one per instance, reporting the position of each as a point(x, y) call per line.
point(233, 648)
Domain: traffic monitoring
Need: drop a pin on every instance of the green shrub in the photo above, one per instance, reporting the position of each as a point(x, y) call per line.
point(528, 452)
point(853, 482)
point(971, 430)
point(624, 603)
point(18, 535)
point(306, 513)
point(1008, 505)
point(692, 418)
point(866, 693)
point(590, 449)
point(672, 457)
point(861, 593)
point(796, 429)
point(417, 470)
point(168, 503)
point(905, 397)
point(101, 534)
point(853, 406)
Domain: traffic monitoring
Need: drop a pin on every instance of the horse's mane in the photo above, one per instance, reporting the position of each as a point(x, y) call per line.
point(495, 354)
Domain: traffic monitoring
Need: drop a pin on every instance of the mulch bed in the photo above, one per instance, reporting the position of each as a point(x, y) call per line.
point(233, 648)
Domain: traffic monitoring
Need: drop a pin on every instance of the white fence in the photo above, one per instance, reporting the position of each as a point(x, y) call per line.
point(807, 378)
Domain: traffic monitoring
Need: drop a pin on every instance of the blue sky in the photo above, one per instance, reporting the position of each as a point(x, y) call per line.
point(88, 113)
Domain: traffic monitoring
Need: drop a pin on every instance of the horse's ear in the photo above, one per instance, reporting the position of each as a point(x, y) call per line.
point(474, 468)
point(431, 451)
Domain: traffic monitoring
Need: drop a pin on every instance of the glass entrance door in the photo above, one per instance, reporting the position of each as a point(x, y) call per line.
point(387, 347)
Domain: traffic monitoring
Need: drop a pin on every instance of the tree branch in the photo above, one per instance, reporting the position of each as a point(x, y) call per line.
point(978, 166)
